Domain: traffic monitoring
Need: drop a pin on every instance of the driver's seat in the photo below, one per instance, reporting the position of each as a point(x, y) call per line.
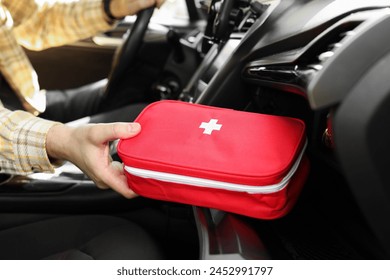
point(76, 237)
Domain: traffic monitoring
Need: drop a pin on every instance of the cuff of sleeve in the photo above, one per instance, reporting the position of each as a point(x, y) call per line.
point(30, 149)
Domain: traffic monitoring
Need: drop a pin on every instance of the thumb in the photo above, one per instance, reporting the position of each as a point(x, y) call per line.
point(113, 131)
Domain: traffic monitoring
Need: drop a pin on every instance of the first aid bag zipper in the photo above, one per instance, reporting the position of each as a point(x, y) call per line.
point(207, 183)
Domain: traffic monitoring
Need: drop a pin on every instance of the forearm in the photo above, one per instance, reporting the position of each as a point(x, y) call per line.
point(58, 23)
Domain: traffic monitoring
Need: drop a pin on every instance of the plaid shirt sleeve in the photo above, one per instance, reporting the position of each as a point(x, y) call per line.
point(23, 143)
point(38, 25)
point(42, 24)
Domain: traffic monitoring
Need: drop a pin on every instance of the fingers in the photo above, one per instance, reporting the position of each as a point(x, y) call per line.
point(121, 8)
point(143, 4)
point(116, 179)
point(139, 5)
point(88, 149)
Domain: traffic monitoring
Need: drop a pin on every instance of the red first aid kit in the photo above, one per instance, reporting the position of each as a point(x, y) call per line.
point(240, 162)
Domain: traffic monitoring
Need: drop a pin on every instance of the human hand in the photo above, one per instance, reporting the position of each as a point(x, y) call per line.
point(88, 148)
point(122, 8)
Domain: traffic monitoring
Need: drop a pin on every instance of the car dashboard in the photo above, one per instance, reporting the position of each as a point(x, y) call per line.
point(302, 60)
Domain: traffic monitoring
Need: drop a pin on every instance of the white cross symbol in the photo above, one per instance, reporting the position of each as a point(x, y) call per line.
point(210, 126)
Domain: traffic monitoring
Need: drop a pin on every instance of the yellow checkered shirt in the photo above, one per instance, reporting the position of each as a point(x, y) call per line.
point(36, 25)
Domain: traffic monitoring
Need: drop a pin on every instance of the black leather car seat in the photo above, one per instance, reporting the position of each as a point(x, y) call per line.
point(78, 237)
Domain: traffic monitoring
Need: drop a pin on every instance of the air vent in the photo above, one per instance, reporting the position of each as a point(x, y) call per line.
point(325, 47)
point(293, 70)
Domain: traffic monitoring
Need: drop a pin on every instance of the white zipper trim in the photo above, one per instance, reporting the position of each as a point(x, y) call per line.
point(206, 183)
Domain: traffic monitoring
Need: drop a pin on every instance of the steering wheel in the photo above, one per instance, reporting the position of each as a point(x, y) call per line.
point(219, 24)
point(127, 52)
